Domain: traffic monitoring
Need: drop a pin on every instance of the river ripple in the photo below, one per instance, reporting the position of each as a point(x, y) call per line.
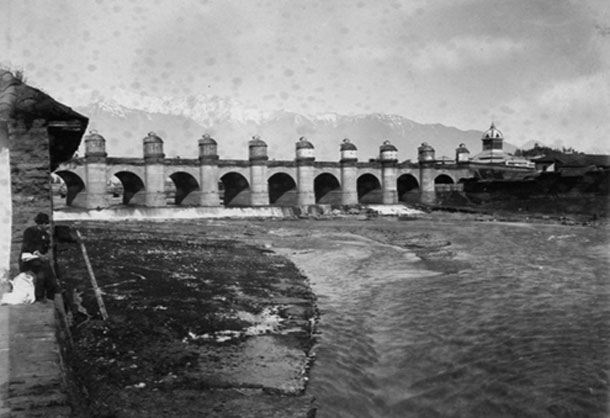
point(520, 329)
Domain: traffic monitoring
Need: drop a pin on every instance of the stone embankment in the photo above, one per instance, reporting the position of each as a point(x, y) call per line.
point(32, 377)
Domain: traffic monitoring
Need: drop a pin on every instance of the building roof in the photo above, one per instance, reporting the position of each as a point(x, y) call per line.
point(18, 101)
point(304, 143)
point(496, 155)
point(575, 160)
point(346, 145)
point(387, 146)
point(206, 139)
point(492, 133)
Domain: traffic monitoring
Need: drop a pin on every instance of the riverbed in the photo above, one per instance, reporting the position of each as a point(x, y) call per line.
point(447, 316)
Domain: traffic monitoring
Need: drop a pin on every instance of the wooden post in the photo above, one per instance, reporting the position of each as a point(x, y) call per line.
point(96, 289)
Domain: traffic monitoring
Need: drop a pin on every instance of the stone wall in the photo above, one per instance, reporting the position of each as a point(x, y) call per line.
point(30, 179)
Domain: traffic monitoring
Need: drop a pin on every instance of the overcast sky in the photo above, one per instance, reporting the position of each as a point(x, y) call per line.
point(539, 68)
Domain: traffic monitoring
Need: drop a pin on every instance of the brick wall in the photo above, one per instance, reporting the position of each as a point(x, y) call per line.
point(30, 179)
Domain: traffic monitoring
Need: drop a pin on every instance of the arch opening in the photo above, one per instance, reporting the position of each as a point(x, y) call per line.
point(68, 186)
point(181, 188)
point(369, 189)
point(130, 186)
point(443, 179)
point(408, 188)
point(235, 190)
point(282, 190)
point(327, 189)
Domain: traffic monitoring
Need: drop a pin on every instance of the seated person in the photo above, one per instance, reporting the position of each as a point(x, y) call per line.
point(34, 257)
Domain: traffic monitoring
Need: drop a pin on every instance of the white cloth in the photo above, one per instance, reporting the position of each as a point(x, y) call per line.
point(28, 256)
point(22, 292)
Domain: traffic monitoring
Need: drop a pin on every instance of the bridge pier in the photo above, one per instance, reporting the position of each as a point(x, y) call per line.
point(154, 171)
point(305, 174)
point(94, 195)
point(388, 154)
point(259, 189)
point(349, 173)
point(208, 172)
point(426, 174)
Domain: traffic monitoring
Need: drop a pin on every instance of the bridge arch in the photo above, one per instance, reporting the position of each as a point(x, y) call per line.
point(443, 179)
point(74, 184)
point(132, 185)
point(327, 189)
point(184, 184)
point(235, 190)
point(407, 187)
point(369, 189)
point(282, 190)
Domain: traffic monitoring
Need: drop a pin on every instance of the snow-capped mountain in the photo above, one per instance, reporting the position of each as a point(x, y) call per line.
point(182, 121)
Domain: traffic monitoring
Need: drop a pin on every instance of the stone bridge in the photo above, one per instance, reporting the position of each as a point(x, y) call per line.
point(156, 181)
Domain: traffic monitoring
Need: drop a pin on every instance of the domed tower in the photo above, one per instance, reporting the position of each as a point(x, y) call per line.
point(492, 147)
point(208, 171)
point(492, 139)
point(305, 174)
point(349, 173)
point(259, 189)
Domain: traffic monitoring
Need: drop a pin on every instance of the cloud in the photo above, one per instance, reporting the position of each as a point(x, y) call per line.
point(465, 51)
point(583, 95)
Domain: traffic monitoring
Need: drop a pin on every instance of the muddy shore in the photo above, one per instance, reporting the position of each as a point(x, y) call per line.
point(198, 325)
point(212, 317)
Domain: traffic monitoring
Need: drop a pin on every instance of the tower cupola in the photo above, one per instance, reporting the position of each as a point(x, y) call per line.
point(462, 155)
point(257, 149)
point(388, 152)
point(304, 150)
point(425, 153)
point(348, 151)
point(492, 138)
point(208, 148)
point(153, 147)
point(95, 145)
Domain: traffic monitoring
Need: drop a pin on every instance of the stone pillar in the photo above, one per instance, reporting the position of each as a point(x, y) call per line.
point(154, 171)
point(426, 174)
point(259, 188)
point(208, 171)
point(305, 176)
point(95, 171)
point(349, 173)
point(462, 155)
point(388, 155)
point(6, 203)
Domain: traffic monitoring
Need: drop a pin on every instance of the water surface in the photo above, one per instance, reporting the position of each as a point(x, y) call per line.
point(511, 320)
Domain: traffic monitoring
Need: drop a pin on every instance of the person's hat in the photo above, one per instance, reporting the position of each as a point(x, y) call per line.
point(42, 218)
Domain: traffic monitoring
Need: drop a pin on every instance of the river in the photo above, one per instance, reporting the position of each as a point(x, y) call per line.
point(499, 320)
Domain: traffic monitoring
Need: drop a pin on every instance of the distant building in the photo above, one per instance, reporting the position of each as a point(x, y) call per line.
point(572, 163)
point(493, 151)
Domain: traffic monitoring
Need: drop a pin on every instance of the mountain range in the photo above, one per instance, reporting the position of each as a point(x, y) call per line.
point(181, 122)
